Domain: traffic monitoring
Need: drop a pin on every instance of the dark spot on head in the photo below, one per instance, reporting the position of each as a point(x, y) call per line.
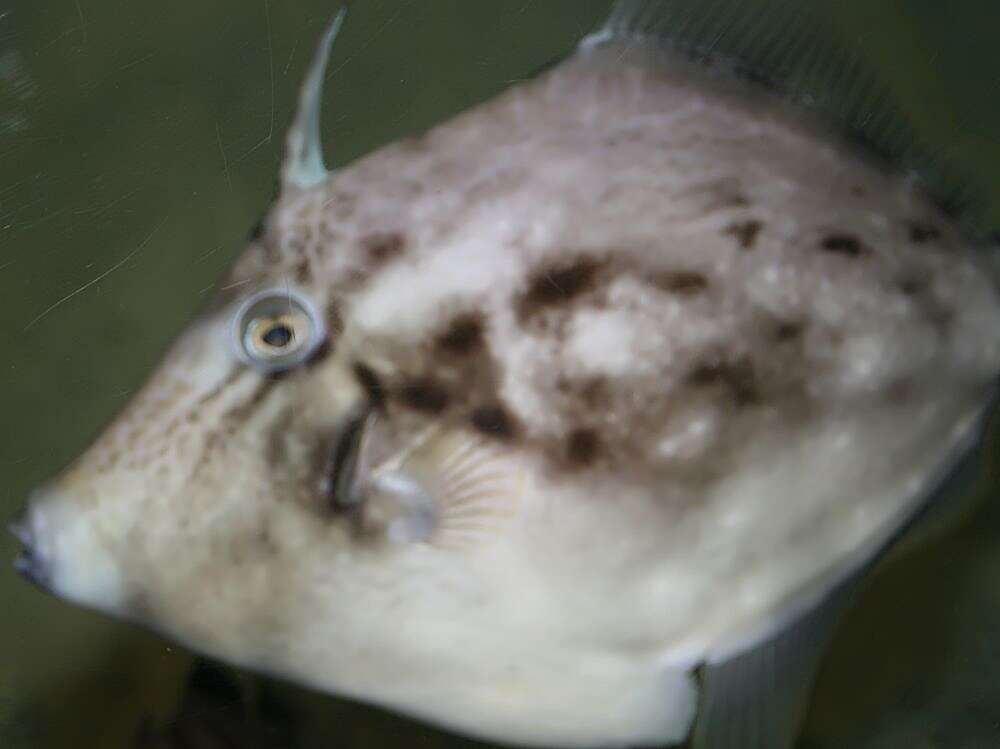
point(842, 244)
point(383, 247)
point(424, 395)
point(463, 336)
point(595, 392)
point(858, 190)
point(681, 282)
point(788, 331)
point(582, 446)
point(745, 232)
point(558, 285)
point(302, 271)
point(922, 232)
point(370, 383)
point(494, 421)
point(738, 376)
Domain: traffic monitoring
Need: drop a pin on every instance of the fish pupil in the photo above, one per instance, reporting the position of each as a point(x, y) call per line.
point(278, 336)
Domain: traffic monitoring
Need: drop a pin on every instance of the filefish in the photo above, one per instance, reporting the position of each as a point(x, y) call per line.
point(574, 421)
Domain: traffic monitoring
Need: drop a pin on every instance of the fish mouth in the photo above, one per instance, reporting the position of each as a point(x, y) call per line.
point(62, 553)
point(30, 564)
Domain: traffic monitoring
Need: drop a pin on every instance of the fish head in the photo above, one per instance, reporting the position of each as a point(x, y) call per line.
point(212, 479)
point(230, 505)
point(234, 504)
point(284, 492)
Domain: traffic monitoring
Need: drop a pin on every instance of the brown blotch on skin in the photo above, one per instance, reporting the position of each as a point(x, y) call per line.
point(424, 395)
point(558, 285)
point(788, 331)
point(737, 376)
point(901, 392)
point(302, 271)
point(370, 383)
point(383, 247)
point(920, 290)
point(922, 232)
point(464, 336)
point(342, 204)
point(912, 286)
point(582, 446)
point(594, 393)
point(686, 283)
point(719, 195)
point(493, 421)
point(847, 245)
point(264, 543)
point(746, 233)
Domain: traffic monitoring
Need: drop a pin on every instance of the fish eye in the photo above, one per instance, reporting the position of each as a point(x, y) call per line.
point(277, 329)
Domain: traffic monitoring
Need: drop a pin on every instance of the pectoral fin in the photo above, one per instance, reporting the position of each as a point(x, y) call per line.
point(449, 488)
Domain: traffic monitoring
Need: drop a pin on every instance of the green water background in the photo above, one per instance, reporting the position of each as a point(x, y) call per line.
point(140, 140)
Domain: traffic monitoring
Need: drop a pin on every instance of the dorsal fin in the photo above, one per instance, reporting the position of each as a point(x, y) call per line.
point(792, 47)
point(304, 166)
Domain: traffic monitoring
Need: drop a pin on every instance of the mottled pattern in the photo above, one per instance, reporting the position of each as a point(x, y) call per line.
point(690, 355)
point(672, 275)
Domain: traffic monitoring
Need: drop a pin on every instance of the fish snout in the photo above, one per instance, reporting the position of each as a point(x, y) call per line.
point(62, 552)
point(31, 563)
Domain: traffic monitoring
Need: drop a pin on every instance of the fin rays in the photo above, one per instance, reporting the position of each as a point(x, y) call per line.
point(452, 489)
point(476, 486)
point(788, 45)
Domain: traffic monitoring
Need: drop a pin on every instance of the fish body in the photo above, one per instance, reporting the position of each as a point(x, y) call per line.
point(616, 378)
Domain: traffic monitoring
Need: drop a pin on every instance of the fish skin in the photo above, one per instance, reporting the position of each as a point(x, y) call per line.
point(685, 314)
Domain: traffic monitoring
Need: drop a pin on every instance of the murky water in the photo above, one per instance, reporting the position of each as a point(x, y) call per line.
point(139, 141)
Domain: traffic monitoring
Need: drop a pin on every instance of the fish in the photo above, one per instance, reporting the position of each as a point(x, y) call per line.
point(577, 420)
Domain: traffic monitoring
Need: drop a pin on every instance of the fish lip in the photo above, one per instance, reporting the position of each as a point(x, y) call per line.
point(32, 569)
point(29, 564)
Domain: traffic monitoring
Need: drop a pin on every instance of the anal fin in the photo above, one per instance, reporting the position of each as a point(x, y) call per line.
point(757, 699)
